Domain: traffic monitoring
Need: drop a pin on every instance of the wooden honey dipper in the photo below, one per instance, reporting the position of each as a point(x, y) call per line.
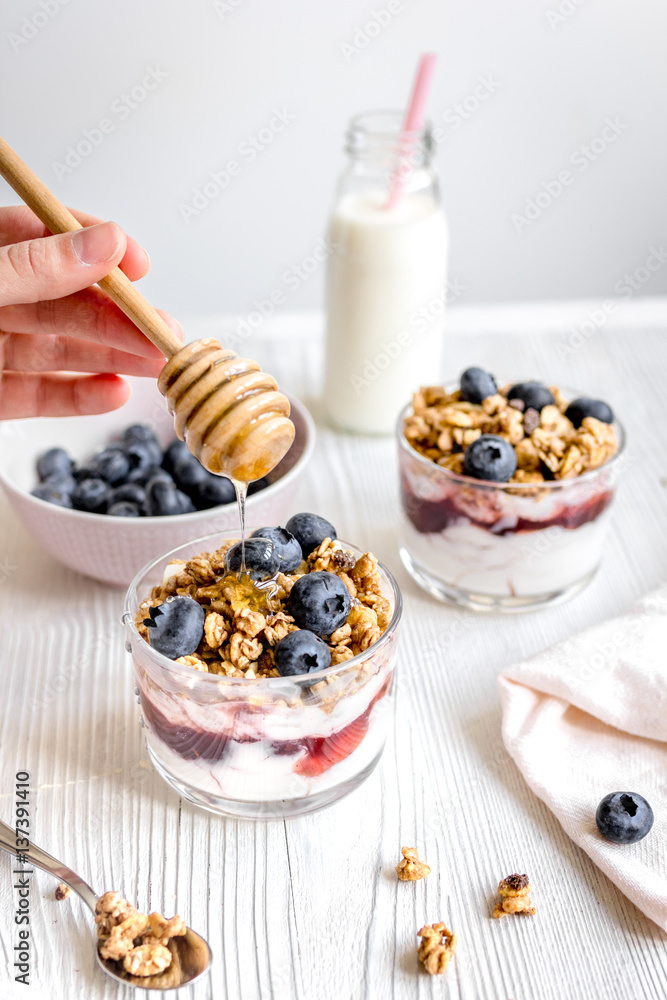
point(227, 410)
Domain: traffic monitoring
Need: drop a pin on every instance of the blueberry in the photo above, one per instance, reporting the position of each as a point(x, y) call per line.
point(175, 452)
point(285, 545)
point(476, 385)
point(319, 602)
point(163, 499)
point(310, 530)
point(188, 474)
point(580, 408)
point(624, 817)
point(535, 395)
point(176, 627)
point(112, 465)
point(124, 509)
point(258, 485)
point(143, 433)
point(490, 457)
point(85, 472)
point(144, 476)
point(91, 495)
point(213, 491)
point(300, 653)
point(62, 482)
point(261, 558)
point(55, 461)
point(52, 494)
point(143, 454)
point(128, 492)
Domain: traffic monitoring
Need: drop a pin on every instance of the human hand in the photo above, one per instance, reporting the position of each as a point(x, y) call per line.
point(52, 322)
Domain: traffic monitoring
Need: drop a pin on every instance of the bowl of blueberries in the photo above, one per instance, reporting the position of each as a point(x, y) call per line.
point(105, 494)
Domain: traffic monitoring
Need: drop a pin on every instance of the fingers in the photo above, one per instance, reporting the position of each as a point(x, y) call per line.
point(59, 265)
point(88, 314)
point(60, 395)
point(18, 223)
point(53, 353)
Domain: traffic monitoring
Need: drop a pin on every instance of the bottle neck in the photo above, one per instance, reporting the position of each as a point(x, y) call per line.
point(377, 148)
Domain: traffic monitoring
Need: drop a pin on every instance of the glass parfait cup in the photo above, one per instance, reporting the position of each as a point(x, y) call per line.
point(269, 747)
point(502, 547)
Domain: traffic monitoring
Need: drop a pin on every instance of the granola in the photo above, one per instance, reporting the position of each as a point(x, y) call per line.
point(546, 442)
point(137, 940)
point(411, 869)
point(243, 623)
point(437, 947)
point(514, 894)
point(62, 891)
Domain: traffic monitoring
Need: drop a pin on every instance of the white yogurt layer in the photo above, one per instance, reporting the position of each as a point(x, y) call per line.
point(253, 772)
point(518, 564)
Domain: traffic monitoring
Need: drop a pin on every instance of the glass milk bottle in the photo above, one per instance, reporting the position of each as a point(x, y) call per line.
point(386, 277)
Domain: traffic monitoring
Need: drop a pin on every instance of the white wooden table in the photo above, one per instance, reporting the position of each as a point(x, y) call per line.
point(311, 909)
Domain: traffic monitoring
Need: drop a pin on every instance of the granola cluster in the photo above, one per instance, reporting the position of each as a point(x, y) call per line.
point(437, 947)
point(546, 442)
point(411, 868)
point(514, 892)
point(137, 940)
point(244, 622)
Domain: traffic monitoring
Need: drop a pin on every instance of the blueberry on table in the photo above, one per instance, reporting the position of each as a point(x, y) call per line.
point(51, 494)
point(112, 465)
point(490, 457)
point(285, 544)
point(124, 508)
point(534, 395)
point(624, 817)
point(476, 385)
point(91, 495)
point(213, 491)
point(130, 492)
point(584, 407)
point(261, 558)
point(310, 530)
point(176, 627)
point(55, 461)
point(300, 653)
point(319, 602)
point(163, 499)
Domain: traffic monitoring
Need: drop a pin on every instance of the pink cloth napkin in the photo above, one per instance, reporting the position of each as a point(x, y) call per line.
point(588, 717)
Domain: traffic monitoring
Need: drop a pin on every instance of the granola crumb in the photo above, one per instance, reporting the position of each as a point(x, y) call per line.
point(147, 960)
point(514, 894)
point(437, 947)
point(62, 891)
point(411, 869)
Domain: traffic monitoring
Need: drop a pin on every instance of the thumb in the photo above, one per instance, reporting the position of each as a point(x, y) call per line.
point(55, 266)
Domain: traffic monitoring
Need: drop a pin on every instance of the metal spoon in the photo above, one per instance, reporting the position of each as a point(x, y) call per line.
point(191, 955)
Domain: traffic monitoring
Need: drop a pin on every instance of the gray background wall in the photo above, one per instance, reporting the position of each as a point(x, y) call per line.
point(525, 89)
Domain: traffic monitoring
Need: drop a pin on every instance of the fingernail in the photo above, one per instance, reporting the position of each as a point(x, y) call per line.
point(97, 244)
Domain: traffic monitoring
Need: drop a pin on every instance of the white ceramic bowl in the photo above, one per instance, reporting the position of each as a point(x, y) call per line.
point(113, 549)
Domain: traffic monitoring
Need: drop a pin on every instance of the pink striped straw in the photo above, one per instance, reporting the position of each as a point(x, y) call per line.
point(414, 120)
